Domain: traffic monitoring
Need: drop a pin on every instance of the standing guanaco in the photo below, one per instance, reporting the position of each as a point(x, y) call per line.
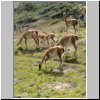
point(46, 37)
point(71, 22)
point(68, 40)
point(30, 33)
point(82, 12)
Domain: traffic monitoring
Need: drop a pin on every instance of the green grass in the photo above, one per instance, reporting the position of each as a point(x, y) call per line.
point(28, 75)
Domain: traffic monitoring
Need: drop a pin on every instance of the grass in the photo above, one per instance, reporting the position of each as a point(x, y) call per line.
point(28, 75)
point(29, 81)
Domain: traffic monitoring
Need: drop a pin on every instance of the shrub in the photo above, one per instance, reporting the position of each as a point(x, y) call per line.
point(16, 52)
point(20, 49)
point(70, 59)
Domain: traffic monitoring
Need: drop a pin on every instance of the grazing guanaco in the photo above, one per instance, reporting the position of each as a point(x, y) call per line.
point(71, 22)
point(68, 40)
point(42, 37)
point(46, 37)
point(51, 53)
point(30, 33)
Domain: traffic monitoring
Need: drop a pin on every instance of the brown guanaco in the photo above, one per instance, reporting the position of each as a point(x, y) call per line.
point(51, 53)
point(30, 33)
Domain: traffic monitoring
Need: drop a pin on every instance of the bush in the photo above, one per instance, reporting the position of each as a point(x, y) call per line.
point(70, 59)
point(20, 49)
point(82, 24)
point(16, 52)
point(28, 6)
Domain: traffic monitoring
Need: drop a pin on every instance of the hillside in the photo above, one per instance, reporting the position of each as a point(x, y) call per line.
point(34, 14)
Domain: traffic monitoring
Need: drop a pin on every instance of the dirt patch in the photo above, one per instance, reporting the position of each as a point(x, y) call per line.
point(69, 68)
point(22, 95)
point(35, 64)
point(16, 81)
point(59, 86)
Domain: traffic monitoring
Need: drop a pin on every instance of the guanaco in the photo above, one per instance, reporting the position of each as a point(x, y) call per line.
point(68, 40)
point(30, 33)
point(82, 11)
point(71, 22)
point(46, 37)
point(51, 53)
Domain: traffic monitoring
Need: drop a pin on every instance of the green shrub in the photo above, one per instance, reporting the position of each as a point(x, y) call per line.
point(28, 6)
point(20, 49)
point(38, 95)
point(70, 59)
point(16, 52)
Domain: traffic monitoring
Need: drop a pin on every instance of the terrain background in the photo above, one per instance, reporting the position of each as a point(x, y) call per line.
point(47, 17)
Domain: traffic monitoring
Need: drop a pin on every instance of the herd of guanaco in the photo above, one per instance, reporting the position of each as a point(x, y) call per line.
point(60, 48)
